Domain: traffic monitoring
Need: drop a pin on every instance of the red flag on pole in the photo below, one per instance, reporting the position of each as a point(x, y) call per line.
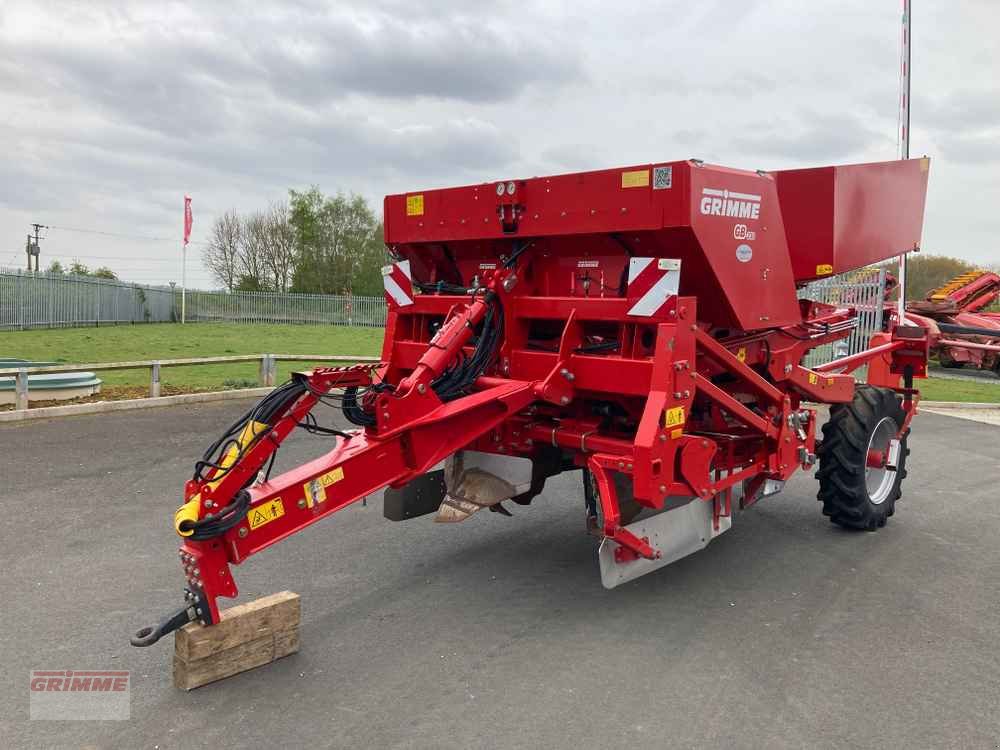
point(187, 219)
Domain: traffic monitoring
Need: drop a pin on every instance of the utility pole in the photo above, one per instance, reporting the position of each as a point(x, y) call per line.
point(904, 141)
point(33, 248)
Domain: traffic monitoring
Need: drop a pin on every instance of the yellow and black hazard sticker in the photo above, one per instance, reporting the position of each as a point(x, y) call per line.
point(316, 489)
point(265, 513)
point(824, 269)
point(673, 417)
point(741, 355)
point(636, 178)
point(813, 378)
point(415, 205)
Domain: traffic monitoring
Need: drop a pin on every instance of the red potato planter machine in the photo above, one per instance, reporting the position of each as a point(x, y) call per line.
point(639, 324)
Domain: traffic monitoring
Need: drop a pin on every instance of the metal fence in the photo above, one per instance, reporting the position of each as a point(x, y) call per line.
point(44, 300)
point(274, 307)
point(864, 290)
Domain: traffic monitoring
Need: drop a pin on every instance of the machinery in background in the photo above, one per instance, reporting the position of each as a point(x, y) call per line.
point(962, 334)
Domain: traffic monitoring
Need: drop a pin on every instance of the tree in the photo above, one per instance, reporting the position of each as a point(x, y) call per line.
point(252, 259)
point(339, 242)
point(927, 272)
point(280, 250)
point(76, 268)
point(312, 243)
point(222, 251)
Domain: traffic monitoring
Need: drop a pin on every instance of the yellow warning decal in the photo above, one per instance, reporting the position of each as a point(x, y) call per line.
point(676, 434)
point(813, 378)
point(673, 417)
point(316, 489)
point(415, 205)
point(824, 269)
point(265, 513)
point(638, 178)
point(741, 355)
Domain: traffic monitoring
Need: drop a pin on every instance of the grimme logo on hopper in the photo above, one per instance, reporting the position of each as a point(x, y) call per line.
point(727, 203)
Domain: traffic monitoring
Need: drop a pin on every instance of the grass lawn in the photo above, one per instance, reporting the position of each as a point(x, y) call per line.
point(940, 389)
point(174, 341)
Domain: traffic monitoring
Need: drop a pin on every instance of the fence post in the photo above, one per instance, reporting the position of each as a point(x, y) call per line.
point(21, 399)
point(266, 376)
point(22, 297)
point(154, 380)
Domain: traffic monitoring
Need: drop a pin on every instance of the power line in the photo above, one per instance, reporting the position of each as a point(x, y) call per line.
point(114, 234)
point(148, 238)
point(132, 258)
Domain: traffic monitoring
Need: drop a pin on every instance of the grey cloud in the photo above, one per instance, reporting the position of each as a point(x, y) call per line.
point(958, 110)
point(393, 56)
point(976, 149)
point(965, 124)
point(809, 138)
point(113, 109)
point(160, 79)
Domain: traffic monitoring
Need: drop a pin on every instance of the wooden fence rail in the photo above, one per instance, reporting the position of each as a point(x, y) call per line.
point(267, 370)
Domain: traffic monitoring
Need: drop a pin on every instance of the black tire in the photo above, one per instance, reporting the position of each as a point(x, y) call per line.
point(845, 486)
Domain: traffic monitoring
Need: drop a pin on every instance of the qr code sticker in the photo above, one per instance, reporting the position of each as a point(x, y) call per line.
point(662, 177)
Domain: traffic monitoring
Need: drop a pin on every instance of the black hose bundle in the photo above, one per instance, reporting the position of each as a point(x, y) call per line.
point(263, 412)
point(458, 378)
point(217, 524)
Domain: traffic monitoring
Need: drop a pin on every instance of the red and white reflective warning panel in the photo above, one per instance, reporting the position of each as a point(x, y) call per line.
point(398, 284)
point(652, 283)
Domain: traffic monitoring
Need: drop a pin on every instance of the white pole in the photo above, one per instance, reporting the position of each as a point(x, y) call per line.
point(184, 255)
point(904, 140)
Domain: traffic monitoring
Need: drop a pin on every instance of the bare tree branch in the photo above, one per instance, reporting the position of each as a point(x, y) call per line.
point(221, 254)
point(280, 250)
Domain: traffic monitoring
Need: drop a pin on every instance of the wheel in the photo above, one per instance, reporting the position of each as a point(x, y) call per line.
point(858, 483)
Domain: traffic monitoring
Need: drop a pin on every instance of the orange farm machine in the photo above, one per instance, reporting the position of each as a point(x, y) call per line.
point(640, 325)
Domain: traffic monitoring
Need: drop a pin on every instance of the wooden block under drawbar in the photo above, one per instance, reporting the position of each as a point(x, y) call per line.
point(246, 636)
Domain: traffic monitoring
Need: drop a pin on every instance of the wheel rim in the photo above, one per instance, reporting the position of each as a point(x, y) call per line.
point(879, 476)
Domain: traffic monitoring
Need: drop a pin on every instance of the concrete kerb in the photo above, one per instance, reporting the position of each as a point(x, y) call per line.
point(101, 407)
point(958, 405)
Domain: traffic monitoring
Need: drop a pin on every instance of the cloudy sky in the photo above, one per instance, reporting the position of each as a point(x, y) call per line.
point(110, 111)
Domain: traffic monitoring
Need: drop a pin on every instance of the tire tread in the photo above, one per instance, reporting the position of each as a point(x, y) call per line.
point(842, 457)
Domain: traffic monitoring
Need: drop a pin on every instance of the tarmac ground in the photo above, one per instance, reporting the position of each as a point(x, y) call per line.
point(786, 632)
